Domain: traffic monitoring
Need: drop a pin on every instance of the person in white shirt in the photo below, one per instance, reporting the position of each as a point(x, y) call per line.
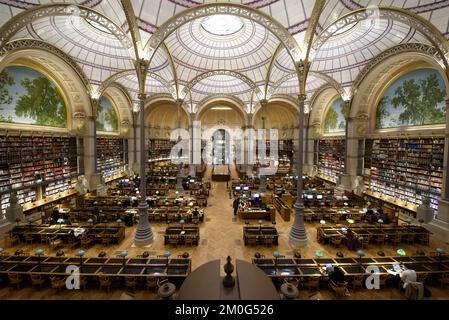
point(407, 276)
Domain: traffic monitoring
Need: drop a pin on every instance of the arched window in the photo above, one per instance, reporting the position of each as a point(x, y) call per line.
point(29, 97)
point(334, 121)
point(107, 119)
point(414, 99)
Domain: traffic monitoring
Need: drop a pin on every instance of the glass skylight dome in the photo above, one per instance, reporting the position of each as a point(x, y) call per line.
point(222, 24)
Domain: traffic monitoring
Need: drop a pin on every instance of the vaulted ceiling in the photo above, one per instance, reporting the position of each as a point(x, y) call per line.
point(223, 54)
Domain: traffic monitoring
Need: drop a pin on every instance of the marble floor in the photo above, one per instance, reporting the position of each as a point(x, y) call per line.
point(221, 236)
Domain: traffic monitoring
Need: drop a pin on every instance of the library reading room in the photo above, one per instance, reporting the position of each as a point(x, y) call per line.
point(234, 150)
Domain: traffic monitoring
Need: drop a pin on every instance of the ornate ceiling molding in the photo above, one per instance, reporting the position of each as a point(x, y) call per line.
point(23, 44)
point(189, 86)
point(200, 11)
point(402, 48)
point(19, 21)
point(396, 14)
point(171, 91)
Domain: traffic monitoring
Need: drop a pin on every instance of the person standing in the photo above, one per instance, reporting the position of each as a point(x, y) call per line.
point(236, 205)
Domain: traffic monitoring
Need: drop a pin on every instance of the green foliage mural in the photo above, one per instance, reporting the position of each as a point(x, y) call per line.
point(335, 121)
point(107, 119)
point(28, 97)
point(415, 99)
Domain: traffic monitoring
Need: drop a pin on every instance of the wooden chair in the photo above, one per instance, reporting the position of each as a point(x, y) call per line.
point(308, 218)
point(29, 238)
point(45, 239)
point(131, 283)
point(173, 240)
point(106, 240)
point(11, 240)
point(383, 280)
point(251, 241)
point(73, 242)
point(85, 242)
point(423, 239)
point(189, 240)
point(410, 239)
point(15, 280)
point(267, 240)
point(380, 239)
point(444, 280)
point(421, 277)
point(37, 280)
point(396, 239)
point(335, 218)
point(57, 283)
point(357, 282)
point(336, 241)
point(105, 282)
point(311, 283)
point(151, 283)
point(339, 289)
point(55, 242)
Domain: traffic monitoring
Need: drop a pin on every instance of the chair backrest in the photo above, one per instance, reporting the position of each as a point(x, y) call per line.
point(104, 280)
point(13, 276)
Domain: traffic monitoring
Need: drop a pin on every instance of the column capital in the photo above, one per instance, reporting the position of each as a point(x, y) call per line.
point(263, 102)
point(142, 96)
point(302, 98)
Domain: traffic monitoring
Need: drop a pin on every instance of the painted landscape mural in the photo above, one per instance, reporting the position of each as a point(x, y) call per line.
point(29, 97)
point(335, 120)
point(106, 116)
point(415, 99)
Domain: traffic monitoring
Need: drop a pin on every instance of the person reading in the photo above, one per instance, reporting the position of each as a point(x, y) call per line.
point(337, 276)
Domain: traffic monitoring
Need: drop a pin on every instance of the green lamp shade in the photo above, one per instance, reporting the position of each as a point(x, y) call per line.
point(167, 254)
point(319, 253)
point(260, 221)
point(360, 253)
point(119, 221)
point(350, 221)
point(380, 221)
point(408, 221)
point(401, 252)
point(30, 220)
point(38, 252)
point(90, 221)
point(322, 222)
point(182, 221)
point(81, 253)
point(2, 250)
point(61, 221)
point(276, 254)
point(439, 251)
point(123, 254)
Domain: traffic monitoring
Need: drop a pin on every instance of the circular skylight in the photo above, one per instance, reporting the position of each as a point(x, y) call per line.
point(222, 24)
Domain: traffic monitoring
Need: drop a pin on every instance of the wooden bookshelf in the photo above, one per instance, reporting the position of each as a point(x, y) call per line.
point(110, 156)
point(331, 157)
point(159, 148)
point(36, 166)
point(407, 170)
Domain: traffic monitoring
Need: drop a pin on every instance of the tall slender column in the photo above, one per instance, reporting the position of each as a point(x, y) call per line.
point(179, 177)
point(263, 143)
point(298, 235)
point(144, 234)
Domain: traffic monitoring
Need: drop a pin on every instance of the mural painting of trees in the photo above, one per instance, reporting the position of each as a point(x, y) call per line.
point(382, 112)
point(107, 119)
point(27, 96)
point(331, 121)
point(415, 99)
point(335, 120)
point(42, 102)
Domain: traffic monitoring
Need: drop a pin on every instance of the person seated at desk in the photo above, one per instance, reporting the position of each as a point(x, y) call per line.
point(55, 215)
point(337, 276)
point(407, 276)
point(195, 212)
point(351, 240)
point(236, 205)
point(369, 217)
point(383, 216)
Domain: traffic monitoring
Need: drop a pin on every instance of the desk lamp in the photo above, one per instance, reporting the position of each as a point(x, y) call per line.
point(38, 253)
point(360, 254)
point(60, 222)
point(260, 224)
point(81, 254)
point(380, 221)
point(440, 253)
point(167, 255)
point(401, 252)
point(17, 220)
point(123, 254)
point(30, 221)
point(182, 222)
point(119, 222)
point(276, 255)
